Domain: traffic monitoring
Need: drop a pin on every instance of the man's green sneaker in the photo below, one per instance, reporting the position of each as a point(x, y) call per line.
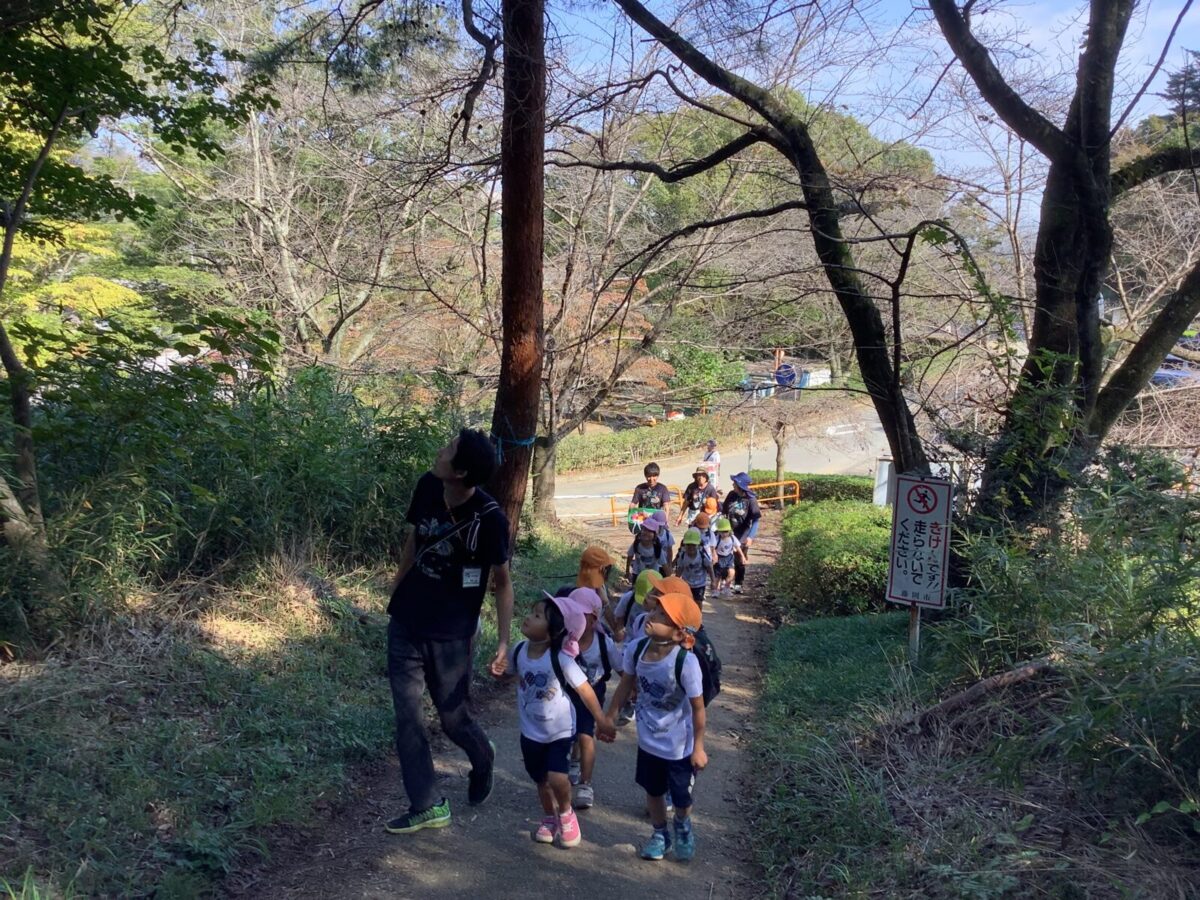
point(437, 816)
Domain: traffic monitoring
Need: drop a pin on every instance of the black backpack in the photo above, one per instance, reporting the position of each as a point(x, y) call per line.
point(706, 656)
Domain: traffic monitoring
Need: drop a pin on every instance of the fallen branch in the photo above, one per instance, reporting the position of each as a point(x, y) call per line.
point(978, 691)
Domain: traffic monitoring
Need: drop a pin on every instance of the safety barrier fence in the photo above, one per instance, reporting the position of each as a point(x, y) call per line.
point(618, 504)
point(790, 491)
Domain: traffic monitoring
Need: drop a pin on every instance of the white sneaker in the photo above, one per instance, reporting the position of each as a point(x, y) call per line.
point(573, 772)
point(737, 588)
point(585, 796)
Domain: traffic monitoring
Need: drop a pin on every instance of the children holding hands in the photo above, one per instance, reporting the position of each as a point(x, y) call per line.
point(545, 668)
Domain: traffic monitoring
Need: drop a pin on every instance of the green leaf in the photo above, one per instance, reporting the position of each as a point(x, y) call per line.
point(1161, 807)
point(1187, 807)
point(1023, 823)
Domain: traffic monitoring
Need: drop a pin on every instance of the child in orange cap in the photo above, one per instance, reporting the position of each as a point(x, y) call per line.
point(594, 567)
point(670, 716)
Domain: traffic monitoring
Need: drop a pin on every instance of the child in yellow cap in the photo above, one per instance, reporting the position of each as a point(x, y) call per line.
point(670, 717)
point(694, 565)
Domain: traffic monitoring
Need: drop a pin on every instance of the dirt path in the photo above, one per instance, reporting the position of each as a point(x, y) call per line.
point(487, 852)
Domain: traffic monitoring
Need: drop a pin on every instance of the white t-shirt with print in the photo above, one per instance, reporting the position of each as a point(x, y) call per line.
point(644, 557)
point(593, 665)
point(547, 713)
point(693, 569)
point(664, 712)
point(727, 544)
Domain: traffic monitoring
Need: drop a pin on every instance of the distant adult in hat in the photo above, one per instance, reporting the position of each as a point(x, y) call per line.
point(743, 513)
point(695, 494)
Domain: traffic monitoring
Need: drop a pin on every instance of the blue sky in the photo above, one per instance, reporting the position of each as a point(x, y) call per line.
point(885, 89)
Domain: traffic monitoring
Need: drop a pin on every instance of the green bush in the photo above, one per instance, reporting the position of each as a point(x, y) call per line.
point(146, 476)
point(824, 487)
point(642, 445)
point(834, 557)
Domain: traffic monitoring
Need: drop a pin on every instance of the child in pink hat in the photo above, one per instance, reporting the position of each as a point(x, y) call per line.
point(547, 675)
point(599, 658)
point(647, 552)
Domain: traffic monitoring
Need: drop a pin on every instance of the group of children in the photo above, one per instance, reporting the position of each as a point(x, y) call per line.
point(573, 642)
point(710, 551)
point(652, 637)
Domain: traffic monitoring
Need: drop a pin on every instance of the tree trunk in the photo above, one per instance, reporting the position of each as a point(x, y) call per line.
point(522, 152)
point(545, 451)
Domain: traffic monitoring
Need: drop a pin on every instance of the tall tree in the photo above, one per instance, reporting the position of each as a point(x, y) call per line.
point(67, 71)
point(779, 125)
point(522, 154)
point(1063, 406)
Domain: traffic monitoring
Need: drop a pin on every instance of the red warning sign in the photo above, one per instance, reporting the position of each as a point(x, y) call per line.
point(922, 499)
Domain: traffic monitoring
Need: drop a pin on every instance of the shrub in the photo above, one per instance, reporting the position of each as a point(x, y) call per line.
point(638, 445)
point(834, 557)
point(824, 487)
point(149, 475)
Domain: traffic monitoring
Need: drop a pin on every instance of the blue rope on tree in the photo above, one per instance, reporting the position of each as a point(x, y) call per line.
point(510, 441)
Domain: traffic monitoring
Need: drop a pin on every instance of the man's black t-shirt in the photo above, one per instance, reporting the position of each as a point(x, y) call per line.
point(646, 497)
point(454, 550)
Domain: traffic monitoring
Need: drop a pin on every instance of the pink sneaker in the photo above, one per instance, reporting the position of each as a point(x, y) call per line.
point(545, 832)
point(568, 830)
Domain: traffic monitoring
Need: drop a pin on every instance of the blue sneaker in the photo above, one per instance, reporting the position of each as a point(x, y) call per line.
point(657, 846)
point(685, 841)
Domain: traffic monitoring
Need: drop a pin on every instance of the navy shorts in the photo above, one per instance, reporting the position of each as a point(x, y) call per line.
point(541, 759)
point(657, 776)
point(585, 722)
point(698, 596)
point(724, 562)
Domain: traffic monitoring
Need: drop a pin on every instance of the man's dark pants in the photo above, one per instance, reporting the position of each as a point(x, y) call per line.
point(445, 666)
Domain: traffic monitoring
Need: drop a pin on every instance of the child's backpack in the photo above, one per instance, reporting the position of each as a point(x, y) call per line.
point(605, 664)
point(706, 656)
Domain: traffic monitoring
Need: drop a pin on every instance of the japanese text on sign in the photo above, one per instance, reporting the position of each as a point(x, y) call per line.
point(920, 542)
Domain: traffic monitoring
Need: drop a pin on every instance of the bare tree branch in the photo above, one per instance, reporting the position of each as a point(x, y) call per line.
point(1160, 162)
point(1155, 343)
point(1008, 104)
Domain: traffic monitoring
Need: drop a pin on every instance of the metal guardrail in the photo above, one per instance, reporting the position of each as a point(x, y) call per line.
point(780, 496)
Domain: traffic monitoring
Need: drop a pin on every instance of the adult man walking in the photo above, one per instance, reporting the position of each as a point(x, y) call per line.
point(459, 539)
